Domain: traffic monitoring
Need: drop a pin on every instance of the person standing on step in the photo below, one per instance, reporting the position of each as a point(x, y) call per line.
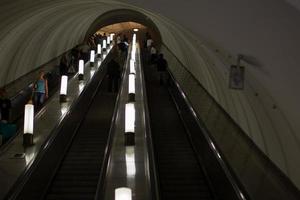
point(153, 53)
point(114, 75)
point(5, 105)
point(162, 66)
point(40, 89)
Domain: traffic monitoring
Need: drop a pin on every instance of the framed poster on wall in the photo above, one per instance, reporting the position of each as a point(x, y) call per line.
point(236, 77)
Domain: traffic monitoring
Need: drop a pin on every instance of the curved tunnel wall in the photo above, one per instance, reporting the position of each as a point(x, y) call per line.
point(35, 32)
point(266, 126)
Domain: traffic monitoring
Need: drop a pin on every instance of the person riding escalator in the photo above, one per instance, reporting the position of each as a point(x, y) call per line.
point(113, 73)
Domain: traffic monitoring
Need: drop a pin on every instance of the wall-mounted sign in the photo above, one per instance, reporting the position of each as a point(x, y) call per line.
point(236, 78)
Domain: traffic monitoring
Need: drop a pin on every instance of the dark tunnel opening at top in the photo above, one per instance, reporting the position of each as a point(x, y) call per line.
point(123, 21)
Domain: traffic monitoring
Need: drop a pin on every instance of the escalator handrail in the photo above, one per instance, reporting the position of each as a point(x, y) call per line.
point(236, 185)
point(153, 167)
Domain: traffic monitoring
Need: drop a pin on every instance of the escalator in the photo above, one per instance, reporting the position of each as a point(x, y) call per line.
point(70, 163)
point(179, 171)
point(77, 176)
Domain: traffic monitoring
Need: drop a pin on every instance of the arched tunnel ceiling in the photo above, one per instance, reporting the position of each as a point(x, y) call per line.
point(119, 16)
point(33, 32)
point(119, 27)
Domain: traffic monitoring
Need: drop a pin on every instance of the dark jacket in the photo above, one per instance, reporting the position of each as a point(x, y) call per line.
point(161, 64)
point(5, 106)
point(113, 69)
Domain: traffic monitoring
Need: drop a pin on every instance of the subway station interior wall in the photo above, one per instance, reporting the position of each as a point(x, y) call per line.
point(267, 127)
point(244, 160)
point(33, 32)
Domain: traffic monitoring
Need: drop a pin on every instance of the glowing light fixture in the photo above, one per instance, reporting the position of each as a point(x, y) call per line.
point(63, 88)
point(80, 69)
point(132, 67)
point(130, 161)
point(28, 124)
point(129, 117)
point(135, 30)
point(131, 87)
point(104, 45)
point(123, 193)
point(99, 49)
point(92, 58)
point(112, 36)
point(108, 40)
point(129, 124)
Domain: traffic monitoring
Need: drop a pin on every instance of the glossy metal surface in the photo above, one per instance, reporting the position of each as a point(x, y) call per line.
point(129, 166)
